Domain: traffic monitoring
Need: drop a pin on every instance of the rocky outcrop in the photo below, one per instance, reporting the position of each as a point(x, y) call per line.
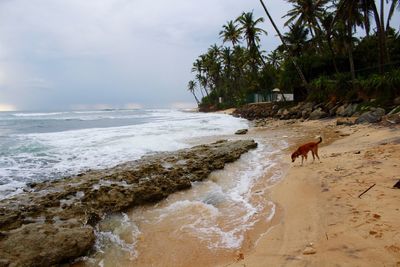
point(318, 114)
point(313, 111)
point(241, 131)
point(372, 116)
point(52, 222)
point(256, 111)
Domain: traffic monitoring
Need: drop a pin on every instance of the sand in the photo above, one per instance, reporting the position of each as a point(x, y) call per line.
point(323, 221)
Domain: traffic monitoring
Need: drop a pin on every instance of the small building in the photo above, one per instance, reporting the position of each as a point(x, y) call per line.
point(274, 96)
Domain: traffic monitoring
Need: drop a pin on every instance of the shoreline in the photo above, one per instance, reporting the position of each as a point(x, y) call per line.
point(316, 205)
point(323, 222)
point(57, 219)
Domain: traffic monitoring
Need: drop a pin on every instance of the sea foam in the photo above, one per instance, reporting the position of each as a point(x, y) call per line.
point(50, 154)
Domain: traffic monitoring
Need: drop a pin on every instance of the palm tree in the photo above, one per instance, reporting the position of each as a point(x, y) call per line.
point(327, 25)
point(302, 77)
point(198, 67)
point(251, 32)
point(230, 33)
point(213, 67)
point(191, 87)
point(349, 12)
point(275, 58)
point(296, 38)
point(307, 13)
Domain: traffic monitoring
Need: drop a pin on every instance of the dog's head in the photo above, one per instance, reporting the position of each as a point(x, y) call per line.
point(295, 155)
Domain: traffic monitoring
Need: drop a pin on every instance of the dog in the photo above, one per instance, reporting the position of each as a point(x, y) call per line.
point(304, 149)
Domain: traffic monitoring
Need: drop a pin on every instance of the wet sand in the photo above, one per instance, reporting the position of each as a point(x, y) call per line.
point(324, 222)
point(311, 216)
point(200, 226)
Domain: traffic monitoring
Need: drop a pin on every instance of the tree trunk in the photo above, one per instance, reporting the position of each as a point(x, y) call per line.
point(332, 54)
point(385, 53)
point(381, 34)
point(300, 73)
point(350, 51)
point(195, 97)
point(201, 91)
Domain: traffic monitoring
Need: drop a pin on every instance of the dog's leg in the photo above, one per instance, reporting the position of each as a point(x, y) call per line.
point(313, 157)
point(316, 153)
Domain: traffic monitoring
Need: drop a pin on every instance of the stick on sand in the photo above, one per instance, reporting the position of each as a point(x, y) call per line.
point(366, 190)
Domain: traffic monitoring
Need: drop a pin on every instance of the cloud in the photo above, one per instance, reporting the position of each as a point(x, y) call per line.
point(7, 107)
point(55, 54)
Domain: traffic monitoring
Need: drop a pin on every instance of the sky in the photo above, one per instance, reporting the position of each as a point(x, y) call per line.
point(96, 54)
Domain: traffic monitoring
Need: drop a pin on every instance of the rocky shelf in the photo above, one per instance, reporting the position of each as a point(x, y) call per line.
point(52, 222)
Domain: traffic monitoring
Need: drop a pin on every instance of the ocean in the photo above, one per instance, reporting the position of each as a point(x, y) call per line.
point(38, 146)
point(202, 226)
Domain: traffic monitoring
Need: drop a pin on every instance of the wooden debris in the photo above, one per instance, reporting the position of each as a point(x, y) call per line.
point(359, 196)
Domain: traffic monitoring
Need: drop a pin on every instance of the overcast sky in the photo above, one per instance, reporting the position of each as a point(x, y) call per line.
point(85, 54)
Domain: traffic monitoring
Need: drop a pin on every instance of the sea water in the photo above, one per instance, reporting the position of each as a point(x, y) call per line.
point(213, 220)
point(38, 146)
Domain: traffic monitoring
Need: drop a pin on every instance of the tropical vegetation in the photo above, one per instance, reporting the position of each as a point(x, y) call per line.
point(344, 50)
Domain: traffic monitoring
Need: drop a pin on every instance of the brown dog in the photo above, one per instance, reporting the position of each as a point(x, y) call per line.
point(303, 151)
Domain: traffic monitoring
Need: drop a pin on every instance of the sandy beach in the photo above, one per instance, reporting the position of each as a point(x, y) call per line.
point(324, 222)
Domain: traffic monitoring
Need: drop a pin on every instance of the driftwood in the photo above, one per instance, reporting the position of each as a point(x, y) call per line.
point(366, 190)
point(397, 185)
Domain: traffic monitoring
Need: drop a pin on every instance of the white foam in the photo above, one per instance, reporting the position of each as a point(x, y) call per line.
point(52, 155)
point(225, 198)
point(10, 189)
point(121, 233)
point(27, 114)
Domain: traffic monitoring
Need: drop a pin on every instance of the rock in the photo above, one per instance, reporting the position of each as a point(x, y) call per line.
point(285, 115)
point(396, 101)
point(318, 114)
point(346, 110)
point(350, 110)
point(242, 131)
point(257, 111)
point(40, 244)
point(373, 116)
point(340, 111)
point(308, 105)
point(53, 223)
point(393, 118)
point(397, 185)
point(309, 250)
point(345, 121)
point(333, 110)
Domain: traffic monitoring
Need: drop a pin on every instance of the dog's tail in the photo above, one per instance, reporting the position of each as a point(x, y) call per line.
point(320, 139)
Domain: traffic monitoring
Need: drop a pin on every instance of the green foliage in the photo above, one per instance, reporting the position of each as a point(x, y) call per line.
point(322, 89)
point(320, 40)
point(384, 88)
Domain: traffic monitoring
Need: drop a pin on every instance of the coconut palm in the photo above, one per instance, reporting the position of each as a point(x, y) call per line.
point(349, 12)
point(198, 67)
point(191, 87)
point(307, 13)
point(328, 29)
point(296, 38)
point(300, 73)
point(275, 58)
point(230, 33)
point(251, 32)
